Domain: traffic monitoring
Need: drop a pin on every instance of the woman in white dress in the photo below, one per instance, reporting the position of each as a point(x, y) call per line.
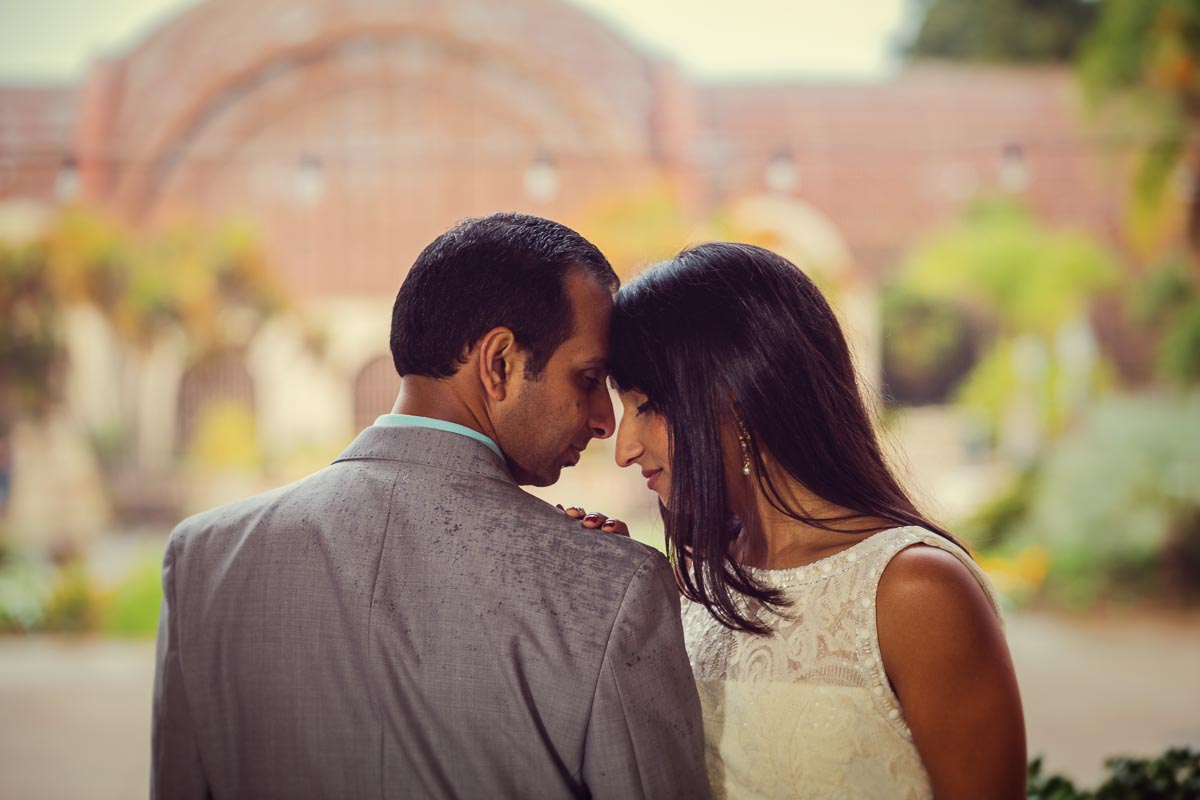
point(843, 644)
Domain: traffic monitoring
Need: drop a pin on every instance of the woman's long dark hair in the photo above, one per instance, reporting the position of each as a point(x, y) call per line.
point(732, 331)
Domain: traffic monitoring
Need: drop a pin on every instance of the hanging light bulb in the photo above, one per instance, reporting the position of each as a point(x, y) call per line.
point(541, 180)
point(66, 182)
point(1014, 170)
point(780, 174)
point(309, 181)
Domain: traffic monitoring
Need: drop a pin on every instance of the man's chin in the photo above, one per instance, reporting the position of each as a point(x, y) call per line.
point(527, 478)
point(550, 475)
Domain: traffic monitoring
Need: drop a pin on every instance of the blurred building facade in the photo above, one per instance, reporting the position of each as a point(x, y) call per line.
point(352, 133)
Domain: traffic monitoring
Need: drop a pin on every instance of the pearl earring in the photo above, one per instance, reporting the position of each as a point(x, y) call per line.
point(744, 440)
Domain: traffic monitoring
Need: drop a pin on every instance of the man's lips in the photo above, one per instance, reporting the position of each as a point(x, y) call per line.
point(651, 476)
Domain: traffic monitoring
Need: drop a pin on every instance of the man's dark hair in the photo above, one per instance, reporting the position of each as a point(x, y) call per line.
point(502, 270)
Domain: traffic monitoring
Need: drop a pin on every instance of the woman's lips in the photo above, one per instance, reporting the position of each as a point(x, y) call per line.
point(651, 477)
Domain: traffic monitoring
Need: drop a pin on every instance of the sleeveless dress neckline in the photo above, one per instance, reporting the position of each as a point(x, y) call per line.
point(807, 711)
point(829, 565)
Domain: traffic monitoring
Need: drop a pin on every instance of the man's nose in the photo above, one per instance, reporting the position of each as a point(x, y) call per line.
point(601, 421)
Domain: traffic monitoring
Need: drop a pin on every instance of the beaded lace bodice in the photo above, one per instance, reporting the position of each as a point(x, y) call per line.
point(808, 711)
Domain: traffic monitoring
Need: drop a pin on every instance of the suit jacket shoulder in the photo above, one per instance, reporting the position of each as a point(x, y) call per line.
point(409, 617)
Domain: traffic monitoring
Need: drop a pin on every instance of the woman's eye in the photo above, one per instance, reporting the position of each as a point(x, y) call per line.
point(643, 408)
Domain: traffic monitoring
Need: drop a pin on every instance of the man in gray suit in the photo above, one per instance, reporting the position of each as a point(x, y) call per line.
point(407, 622)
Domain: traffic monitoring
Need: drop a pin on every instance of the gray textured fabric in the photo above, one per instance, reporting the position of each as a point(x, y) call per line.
point(408, 623)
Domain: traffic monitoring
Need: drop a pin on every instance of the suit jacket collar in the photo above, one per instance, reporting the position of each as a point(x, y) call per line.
point(429, 447)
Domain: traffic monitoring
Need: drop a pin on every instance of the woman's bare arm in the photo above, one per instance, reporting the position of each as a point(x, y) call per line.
point(945, 653)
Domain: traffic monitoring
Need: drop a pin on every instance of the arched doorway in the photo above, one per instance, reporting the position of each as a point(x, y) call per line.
point(218, 384)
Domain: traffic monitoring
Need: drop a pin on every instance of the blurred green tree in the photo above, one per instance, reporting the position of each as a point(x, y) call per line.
point(1117, 503)
point(1030, 287)
point(1167, 300)
point(638, 227)
point(642, 225)
point(1141, 64)
point(928, 346)
point(208, 284)
point(1001, 31)
point(186, 277)
point(1140, 68)
point(30, 341)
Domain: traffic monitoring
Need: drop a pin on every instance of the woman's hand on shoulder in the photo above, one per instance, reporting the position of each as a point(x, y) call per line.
point(595, 520)
point(944, 650)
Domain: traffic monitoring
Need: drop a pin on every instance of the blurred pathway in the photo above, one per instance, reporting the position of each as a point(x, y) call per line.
point(75, 718)
point(74, 714)
point(1104, 687)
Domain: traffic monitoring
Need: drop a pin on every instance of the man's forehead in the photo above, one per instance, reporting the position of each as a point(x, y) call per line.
point(591, 308)
point(595, 362)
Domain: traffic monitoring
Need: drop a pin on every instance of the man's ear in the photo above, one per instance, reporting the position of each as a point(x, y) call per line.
point(495, 360)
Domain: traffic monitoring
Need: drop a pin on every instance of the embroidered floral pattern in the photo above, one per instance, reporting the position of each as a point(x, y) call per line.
point(808, 711)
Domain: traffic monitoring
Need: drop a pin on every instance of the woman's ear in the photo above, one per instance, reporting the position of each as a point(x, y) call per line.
point(495, 360)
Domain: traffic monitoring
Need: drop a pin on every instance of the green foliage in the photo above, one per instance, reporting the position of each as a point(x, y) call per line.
point(31, 350)
point(1115, 503)
point(1179, 357)
point(197, 280)
point(1002, 262)
point(1002, 31)
point(1143, 47)
point(1000, 517)
point(927, 347)
point(1168, 300)
point(1049, 787)
point(132, 609)
point(1024, 283)
point(25, 591)
point(74, 604)
point(637, 228)
point(39, 596)
point(1141, 66)
point(647, 223)
point(1174, 775)
point(185, 277)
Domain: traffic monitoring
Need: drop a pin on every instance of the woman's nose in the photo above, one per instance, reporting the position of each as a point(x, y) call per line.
point(628, 447)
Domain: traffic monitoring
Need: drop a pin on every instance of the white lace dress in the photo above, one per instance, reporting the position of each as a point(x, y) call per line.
point(808, 712)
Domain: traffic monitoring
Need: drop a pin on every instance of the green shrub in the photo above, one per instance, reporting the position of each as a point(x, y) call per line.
point(1003, 515)
point(74, 605)
point(1174, 775)
point(928, 347)
point(25, 591)
point(225, 437)
point(1117, 503)
point(132, 609)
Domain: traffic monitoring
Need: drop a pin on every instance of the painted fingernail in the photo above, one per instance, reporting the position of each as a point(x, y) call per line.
point(592, 518)
point(559, 507)
point(608, 523)
point(575, 508)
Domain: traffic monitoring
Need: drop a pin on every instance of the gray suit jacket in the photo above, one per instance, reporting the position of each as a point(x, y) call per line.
point(408, 623)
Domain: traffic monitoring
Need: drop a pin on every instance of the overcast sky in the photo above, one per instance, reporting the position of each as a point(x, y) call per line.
point(54, 40)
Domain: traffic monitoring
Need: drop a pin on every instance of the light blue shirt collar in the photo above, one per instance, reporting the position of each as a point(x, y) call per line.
point(413, 421)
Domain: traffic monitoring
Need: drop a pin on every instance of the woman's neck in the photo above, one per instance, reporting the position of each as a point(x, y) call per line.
point(772, 540)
